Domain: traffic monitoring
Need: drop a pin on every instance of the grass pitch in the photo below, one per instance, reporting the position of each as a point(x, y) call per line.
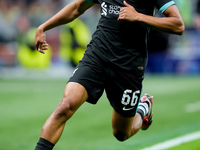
point(25, 105)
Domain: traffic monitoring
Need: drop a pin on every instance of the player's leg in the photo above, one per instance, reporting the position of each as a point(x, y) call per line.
point(74, 96)
point(125, 127)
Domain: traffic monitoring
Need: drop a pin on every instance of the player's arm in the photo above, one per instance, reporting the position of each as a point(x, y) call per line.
point(171, 23)
point(66, 15)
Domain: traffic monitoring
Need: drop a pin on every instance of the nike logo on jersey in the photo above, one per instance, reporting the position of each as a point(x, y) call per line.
point(126, 109)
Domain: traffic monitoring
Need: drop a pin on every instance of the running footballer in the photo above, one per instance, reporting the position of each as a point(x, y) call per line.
point(114, 62)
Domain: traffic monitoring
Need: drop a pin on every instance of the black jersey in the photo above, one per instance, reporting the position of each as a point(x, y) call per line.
point(123, 43)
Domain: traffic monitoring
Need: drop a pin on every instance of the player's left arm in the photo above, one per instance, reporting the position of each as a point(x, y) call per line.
point(171, 23)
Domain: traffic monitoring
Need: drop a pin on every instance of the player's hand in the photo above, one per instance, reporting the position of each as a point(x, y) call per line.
point(40, 41)
point(128, 13)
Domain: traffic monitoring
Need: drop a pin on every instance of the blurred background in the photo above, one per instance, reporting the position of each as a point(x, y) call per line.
point(18, 22)
point(20, 18)
point(31, 84)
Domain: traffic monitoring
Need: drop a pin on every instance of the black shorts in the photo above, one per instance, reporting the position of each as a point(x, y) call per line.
point(122, 88)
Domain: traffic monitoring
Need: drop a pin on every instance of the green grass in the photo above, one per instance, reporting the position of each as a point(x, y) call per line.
point(25, 104)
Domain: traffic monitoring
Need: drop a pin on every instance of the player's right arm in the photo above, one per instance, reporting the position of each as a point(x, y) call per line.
point(66, 15)
point(171, 23)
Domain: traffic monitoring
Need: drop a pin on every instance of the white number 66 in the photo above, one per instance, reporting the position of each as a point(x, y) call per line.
point(126, 98)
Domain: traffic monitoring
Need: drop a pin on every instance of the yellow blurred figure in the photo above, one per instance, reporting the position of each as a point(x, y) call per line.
point(28, 55)
point(74, 38)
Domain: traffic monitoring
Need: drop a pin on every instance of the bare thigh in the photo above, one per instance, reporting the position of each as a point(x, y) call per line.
point(74, 96)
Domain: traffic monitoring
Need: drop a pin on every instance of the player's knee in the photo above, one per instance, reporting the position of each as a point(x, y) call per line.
point(64, 110)
point(120, 135)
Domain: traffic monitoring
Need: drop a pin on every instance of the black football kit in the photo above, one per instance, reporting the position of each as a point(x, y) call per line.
point(116, 56)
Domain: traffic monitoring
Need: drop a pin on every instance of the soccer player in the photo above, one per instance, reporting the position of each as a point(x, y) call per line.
point(114, 61)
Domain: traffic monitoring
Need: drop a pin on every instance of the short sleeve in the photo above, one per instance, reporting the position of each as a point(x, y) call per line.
point(162, 5)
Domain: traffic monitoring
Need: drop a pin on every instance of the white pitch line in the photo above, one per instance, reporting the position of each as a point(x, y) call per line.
point(193, 107)
point(175, 142)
